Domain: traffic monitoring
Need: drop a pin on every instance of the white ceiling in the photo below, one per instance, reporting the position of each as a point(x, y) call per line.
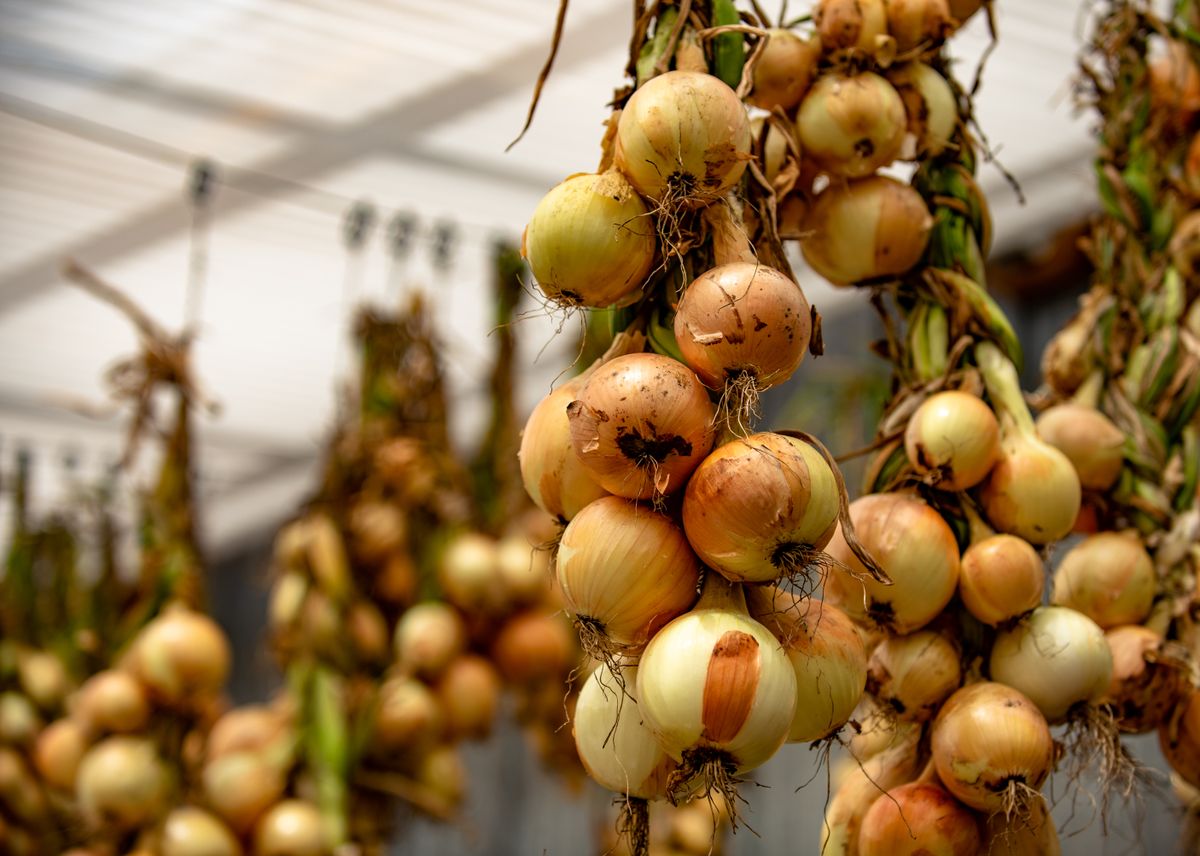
point(407, 104)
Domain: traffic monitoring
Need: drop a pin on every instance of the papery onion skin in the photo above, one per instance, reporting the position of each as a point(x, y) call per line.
point(865, 230)
point(590, 241)
point(1089, 439)
point(931, 108)
point(1147, 680)
point(826, 653)
point(761, 507)
point(1001, 578)
point(554, 477)
point(919, 819)
point(851, 125)
point(684, 136)
point(1179, 739)
point(615, 746)
point(641, 425)
point(743, 318)
point(603, 561)
point(917, 24)
point(914, 674)
point(1056, 657)
point(954, 435)
point(784, 70)
point(986, 736)
point(1109, 577)
point(916, 548)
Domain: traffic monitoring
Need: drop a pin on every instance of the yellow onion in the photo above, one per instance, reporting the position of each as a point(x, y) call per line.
point(717, 690)
point(469, 574)
point(615, 745)
point(121, 782)
point(826, 653)
point(1109, 577)
point(1033, 490)
point(428, 638)
point(861, 787)
point(954, 436)
point(43, 678)
point(989, 744)
point(1148, 678)
point(19, 720)
point(916, 548)
point(1175, 84)
point(761, 507)
point(930, 107)
point(327, 559)
point(112, 701)
point(469, 693)
point(407, 716)
point(1056, 657)
point(524, 569)
point(367, 632)
point(59, 749)
point(743, 322)
point(918, 24)
point(914, 674)
point(253, 727)
point(554, 477)
point(858, 25)
point(784, 70)
point(919, 819)
point(683, 137)
point(1089, 439)
point(1031, 833)
point(1185, 246)
point(240, 786)
point(624, 571)
point(879, 730)
point(396, 581)
point(1001, 578)
point(1179, 738)
point(291, 828)
point(641, 425)
point(286, 601)
point(590, 241)
point(377, 529)
point(191, 831)
point(961, 10)
point(851, 125)
point(534, 647)
point(865, 230)
point(182, 656)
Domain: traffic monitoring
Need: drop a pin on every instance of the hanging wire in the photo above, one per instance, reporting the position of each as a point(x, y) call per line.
point(356, 229)
point(201, 187)
point(402, 234)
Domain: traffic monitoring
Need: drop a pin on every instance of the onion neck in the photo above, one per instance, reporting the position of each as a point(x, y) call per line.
point(1004, 391)
point(980, 531)
point(720, 593)
point(730, 241)
point(1088, 394)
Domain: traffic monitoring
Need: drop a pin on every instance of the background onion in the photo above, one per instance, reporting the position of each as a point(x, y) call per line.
point(182, 656)
point(1089, 439)
point(291, 828)
point(428, 637)
point(1109, 577)
point(121, 782)
point(192, 831)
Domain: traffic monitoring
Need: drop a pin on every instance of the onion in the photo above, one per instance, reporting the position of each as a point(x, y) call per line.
point(918, 24)
point(396, 582)
point(865, 230)
point(930, 107)
point(43, 678)
point(469, 574)
point(851, 24)
point(286, 602)
point(1089, 439)
point(19, 720)
point(961, 10)
point(442, 774)
point(1057, 657)
point(1001, 578)
point(743, 324)
point(1148, 679)
point(761, 507)
point(182, 657)
point(717, 690)
point(1175, 84)
point(56, 755)
point(1032, 834)
point(121, 782)
point(683, 137)
point(367, 632)
point(1032, 491)
point(914, 674)
point(377, 529)
point(851, 125)
point(428, 638)
point(191, 831)
point(624, 571)
point(1179, 738)
point(405, 466)
point(291, 828)
point(991, 746)
point(878, 730)
point(253, 727)
point(469, 693)
point(616, 747)
point(919, 819)
point(240, 786)
point(916, 548)
point(524, 569)
point(590, 241)
point(954, 436)
point(1109, 577)
point(827, 657)
point(784, 70)
point(641, 425)
point(534, 647)
point(112, 701)
point(775, 148)
point(407, 717)
point(327, 559)
point(859, 790)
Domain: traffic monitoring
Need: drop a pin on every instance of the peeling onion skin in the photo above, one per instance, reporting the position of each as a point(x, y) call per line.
point(1109, 577)
point(743, 318)
point(761, 507)
point(641, 425)
point(919, 819)
point(590, 241)
point(851, 125)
